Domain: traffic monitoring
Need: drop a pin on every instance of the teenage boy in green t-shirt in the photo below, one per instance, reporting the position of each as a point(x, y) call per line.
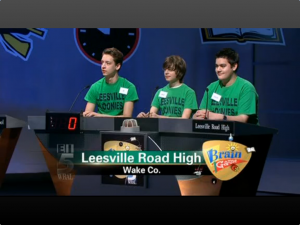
point(113, 95)
point(176, 99)
point(231, 97)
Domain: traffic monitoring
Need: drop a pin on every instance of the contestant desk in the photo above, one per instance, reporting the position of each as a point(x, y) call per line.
point(168, 134)
point(10, 130)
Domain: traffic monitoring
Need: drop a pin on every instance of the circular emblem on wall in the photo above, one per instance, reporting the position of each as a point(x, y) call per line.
point(92, 41)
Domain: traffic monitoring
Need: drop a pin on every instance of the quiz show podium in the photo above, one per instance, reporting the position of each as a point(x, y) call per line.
point(95, 134)
point(10, 130)
point(59, 142)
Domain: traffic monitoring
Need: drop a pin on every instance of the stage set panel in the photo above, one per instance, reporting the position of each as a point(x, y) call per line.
point(156, 134)
point(10, 130)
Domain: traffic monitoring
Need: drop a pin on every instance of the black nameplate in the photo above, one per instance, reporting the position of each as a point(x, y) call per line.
point(220, 127)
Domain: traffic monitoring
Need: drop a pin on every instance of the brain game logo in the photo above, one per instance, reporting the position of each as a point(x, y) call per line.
point(225, 159)
point(18, 42)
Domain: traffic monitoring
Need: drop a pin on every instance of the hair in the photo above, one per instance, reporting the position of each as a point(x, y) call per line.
point(177, 64)
point(231, 55)
point(116, 54)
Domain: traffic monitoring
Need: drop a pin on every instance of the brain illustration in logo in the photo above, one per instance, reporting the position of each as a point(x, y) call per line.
point(234, 167)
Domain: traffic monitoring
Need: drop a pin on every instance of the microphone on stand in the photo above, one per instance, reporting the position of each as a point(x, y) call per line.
point(206, 103)
point(88, 86)
point(153, 94)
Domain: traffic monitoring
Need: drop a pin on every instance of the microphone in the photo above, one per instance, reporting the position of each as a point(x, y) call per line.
point(153, 94)
point(88, 86)
point(206, 103)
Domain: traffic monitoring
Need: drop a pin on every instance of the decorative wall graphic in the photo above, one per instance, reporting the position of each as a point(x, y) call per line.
point(273, 36)
point(92, 41)
point(17, 41)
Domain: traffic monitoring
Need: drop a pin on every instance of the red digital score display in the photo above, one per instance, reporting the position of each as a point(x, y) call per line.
point(63, 122)
point(72, 123)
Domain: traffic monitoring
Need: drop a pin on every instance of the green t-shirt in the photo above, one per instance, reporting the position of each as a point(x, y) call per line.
point(110, 98)
point(172, 101)
point(239, 98)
